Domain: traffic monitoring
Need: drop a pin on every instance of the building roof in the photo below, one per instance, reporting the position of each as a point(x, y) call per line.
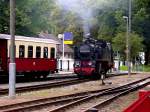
point(31, 39)
point(67, 48)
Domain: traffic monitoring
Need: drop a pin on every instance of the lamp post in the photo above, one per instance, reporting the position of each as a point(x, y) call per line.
point(127, 44)
point(61, 36)
point(12, 64)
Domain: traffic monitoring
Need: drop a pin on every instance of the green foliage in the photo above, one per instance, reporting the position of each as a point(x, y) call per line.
point(33, 16)
point(135, 41)
point(107, 26)
point(4, 16)
point(121, 22)
point(141, 23)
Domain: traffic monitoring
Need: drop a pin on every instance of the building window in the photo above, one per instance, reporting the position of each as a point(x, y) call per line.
point(45, 54)
point(21, 51)
point(52, 52)
point(38, 52)
point(30, 51)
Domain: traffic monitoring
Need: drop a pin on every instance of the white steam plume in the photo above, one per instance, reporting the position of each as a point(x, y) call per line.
point(85, 9)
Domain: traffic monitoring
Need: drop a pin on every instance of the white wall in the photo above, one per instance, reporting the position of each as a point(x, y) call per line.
point(66, 64)
point(116, 64)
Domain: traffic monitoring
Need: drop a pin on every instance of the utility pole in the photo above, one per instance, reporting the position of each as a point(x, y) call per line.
point(12, 64)
point(127, 43)
point(129, 46)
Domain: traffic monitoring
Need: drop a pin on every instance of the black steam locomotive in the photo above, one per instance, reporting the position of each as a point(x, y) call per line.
point(93, 58)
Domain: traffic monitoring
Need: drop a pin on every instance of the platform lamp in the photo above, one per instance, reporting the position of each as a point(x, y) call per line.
point(127, 43)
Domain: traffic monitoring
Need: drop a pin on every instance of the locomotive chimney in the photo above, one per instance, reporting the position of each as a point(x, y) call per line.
point(86, 36)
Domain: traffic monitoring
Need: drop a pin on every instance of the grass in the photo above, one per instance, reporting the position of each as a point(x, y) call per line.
point(137, 68)
point(147, 68)
point(124, 68)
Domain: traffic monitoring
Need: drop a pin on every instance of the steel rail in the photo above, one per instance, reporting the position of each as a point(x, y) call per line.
point(107, 101)
point(45, 86)
point(31, 106)
point(86, 99)
point(62, 99)
point(46, 101)
point(48, 85)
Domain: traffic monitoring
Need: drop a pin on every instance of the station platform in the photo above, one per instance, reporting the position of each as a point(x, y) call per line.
point(65, 74)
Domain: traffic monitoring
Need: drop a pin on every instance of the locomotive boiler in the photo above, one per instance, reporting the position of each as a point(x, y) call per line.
point(93, 58)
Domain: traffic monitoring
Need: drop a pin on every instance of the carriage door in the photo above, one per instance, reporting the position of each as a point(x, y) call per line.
point(3, 55)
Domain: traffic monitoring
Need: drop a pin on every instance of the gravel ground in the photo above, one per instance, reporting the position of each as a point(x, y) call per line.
point(92, 85)
point(123, 102)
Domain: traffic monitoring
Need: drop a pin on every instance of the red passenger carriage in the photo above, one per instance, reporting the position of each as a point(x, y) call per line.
point(34, 56)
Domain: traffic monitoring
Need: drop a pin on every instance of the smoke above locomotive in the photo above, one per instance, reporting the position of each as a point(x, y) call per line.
point(86, 9)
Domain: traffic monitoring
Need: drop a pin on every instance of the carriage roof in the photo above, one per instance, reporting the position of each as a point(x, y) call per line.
point(31, 39)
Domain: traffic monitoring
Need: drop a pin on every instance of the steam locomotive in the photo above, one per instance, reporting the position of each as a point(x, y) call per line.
point(93, 58)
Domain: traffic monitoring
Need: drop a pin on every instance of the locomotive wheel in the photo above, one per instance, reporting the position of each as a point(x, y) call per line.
point(45, 76)
point(51, 72)
point(79, 76)
point(56, 70)
point(38, 76)
point(96, 76)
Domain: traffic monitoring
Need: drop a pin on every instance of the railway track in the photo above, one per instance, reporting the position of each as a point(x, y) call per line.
point(105, 97)
point(76, 101)
point(109, 98)
point(44, 86)
point(50, 85)
point(46, 101)
point(23, 79)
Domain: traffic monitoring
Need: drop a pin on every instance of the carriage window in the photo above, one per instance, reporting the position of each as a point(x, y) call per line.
point(45, 54)
point(38, 52)
point(52, 52)
point(30, 51)
point(21, 51)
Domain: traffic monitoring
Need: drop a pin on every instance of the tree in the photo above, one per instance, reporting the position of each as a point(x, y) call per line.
point(4, 16)
point(119, 44)
point(33, 16)
point(141, 24)
point(106, 25)
point(106, 22)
